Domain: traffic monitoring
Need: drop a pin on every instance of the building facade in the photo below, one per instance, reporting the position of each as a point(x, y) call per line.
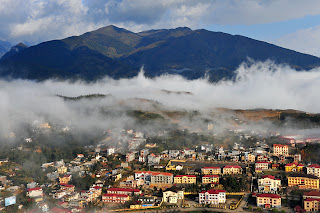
point(115, 198)
point(303, 181)
point(269, 200)
point(232, 170)
point(268, 184)
point(212, 196)
point(172, 196)
point(211, 171)
point(185, 179)
point(293, 167)
point(280, 149)
point(210, 179)
point(314, 169)
point(261, 166)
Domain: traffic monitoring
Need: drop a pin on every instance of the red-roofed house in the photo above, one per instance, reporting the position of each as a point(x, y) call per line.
point(185, 179)
point(312, 204)
point(67, 187)
point(210, 179)
point(261, 166)
point(211, 170)
point(293, 167)
point(268, 184)
point(35, 192)
point(124, 191)
point(212, 196)
point(115, 198)
point(314, 169)
point(280, 149)
point(268, 200)
point(232, 169)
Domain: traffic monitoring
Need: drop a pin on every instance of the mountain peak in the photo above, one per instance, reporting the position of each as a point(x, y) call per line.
point(14, 50)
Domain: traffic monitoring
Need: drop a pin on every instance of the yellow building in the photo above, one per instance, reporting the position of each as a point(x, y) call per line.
point(210, 179)
point(211, 171)
point(269, 200)
point(303, 181)
point(232, 170)
point(65, 179)
point(312, 204)
point(261, 166)
point(293, 167)
point(251, 158)
point(62, 170)
point(185, 179)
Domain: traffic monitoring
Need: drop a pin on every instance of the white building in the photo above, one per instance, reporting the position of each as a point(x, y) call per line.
point(212, 196)
point(110, 151)
point(35, 192)
point(268, 184)
point(172, 196)
point(313, 169)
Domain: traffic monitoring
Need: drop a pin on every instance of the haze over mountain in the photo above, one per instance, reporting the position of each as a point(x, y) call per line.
point(119, 53)
point(4, 47)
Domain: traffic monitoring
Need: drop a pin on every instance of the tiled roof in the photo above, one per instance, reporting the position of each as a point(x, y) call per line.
point(115, 195)
point(34, 189)
point(269, 195)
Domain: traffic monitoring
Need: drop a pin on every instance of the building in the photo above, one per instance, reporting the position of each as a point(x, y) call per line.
point(161, 178)
point(311, 194)
point(232, 170)
point(293, 167)
point(35, 192)
point(303, 181)
point(269, 200)
point(185, 179)
point(130, 156)
point(210, 179)
point(65, 179)
point(115, 198)
point(248, 157)
point(314, 169)
point(297, 158)
point(124, 191)
point(312, 204)
point(153, 159)
point(268, 184)
point(172, 196)
point(279, 149)
point(261, 166)
point(212, 196)
point(110, 151)
point(211, 170)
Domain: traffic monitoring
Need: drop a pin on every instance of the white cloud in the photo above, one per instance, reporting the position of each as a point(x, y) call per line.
point(305, 40)
point(41, 20)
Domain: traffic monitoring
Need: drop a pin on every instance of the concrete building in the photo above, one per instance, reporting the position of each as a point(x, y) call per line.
point(172, 196)
point(294, 167)
point(268, 184)
point(210, 179)
point(280, 149)
point(185, 179)
point(314, 169)
point(261, 166)
point(211, 170)
point(212, 196)
point(269, 200)
point(232, 170)
point(303, 181)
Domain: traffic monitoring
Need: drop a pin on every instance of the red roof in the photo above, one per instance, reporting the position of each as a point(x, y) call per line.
point(213, 191)
point(312, 199)
point(211, 168)
point(97, 187)
point(269, 176)
point(232, 166)
point(124, 190)
point(314, 166)
point(211, 176)
point(67, 185)
point(269, 195)
point(281, 145)
point(34, 189)
point(262, 162)
point(115, 195)
point(155, 173)
point(291, 164)
point(185, 176)
point(312, 193)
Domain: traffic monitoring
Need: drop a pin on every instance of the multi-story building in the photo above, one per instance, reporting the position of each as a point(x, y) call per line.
point(248, 157)
point(268, 184)
point(261, 166)
point(211, 171)
point(303, 181)
point(314, 169)
point(35, 192)
point(269, 200)
point(172, 196)
point(110, 151)
point(124, 191)
point(130, 156)
point(232, 170)
point(65, 179)
point(185, 179)
point(312, 204)
point(115, 198)
point(280, 149)
point(212, 196)
point(161, 178)
point(293, 167)
point(153, 159)
point(210, 179)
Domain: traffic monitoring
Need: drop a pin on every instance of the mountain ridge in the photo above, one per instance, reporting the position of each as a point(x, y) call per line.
point(120, 53)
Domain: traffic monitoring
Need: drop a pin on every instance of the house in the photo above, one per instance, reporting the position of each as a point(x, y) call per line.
point(261, 166)
point(161, 178)
point(248, 157)
point(280, 149)
point(110, 151)
point(311, 194)
point(185, 179)
point(293, 167)
point(268, 200)
point(62, 169)
point(268, 184)
point(212, 196)
point(211, 170)
point(95, 191)
point(67, 187)
point(153, 159)
point(232, 170)
point(115, 198)
point(35, 192)
point(172, 196)
point(210, 179)
point(314, 169)
point(124, 191)
point(65, 179)
point(303, 181)
point(312, 204)
point(130, 156)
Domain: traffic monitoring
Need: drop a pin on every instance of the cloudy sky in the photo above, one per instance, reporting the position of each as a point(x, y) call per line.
point(294, 24)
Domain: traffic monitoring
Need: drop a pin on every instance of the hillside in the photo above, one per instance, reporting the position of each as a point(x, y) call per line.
point(119, 53)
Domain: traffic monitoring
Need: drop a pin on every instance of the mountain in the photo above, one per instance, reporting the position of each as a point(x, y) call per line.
point(4, 47)
point(14, 50)
point(119, 53)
